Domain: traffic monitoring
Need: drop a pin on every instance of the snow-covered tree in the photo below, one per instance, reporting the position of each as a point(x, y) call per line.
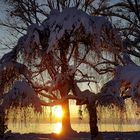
point(56, 55)
point(48, 62)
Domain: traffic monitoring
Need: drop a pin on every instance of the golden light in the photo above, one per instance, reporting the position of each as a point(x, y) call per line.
point(58, 112)
point(58, 127)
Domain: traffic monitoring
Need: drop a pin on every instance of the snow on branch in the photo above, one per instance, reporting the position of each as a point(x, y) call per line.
point(125, 84)
point(12, 69)
point(83, 97)
point(79, 26)
point(72, 25)
point(32, 38)
point(21, 95)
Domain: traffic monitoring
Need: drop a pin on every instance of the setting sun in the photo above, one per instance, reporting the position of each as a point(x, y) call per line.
point(58, 127)
point(58, 112)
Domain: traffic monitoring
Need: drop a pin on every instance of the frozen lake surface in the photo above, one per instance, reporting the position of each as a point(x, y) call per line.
point(44, 128)
point(38, 131)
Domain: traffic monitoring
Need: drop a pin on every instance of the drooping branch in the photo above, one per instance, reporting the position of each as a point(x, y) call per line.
point(59, 101)
point(51, 97)
point(84, 97)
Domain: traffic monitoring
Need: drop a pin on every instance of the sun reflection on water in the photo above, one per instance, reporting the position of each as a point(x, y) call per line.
point(58, 127)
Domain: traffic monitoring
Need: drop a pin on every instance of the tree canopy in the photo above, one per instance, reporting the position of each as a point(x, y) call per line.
point(63, 49)
point(60, 46)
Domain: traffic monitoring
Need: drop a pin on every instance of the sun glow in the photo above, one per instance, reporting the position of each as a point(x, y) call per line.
point(58, 112)
point(58, 127)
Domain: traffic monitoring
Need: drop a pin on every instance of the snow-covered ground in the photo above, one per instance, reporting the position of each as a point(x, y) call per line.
point(78, 136)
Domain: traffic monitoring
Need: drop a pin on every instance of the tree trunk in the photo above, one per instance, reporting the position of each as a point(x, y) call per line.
point(93, 121)
point(66, 124)
point(65, 89)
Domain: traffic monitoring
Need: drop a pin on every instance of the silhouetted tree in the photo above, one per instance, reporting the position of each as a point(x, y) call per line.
point(50, 57)
point(60, 49)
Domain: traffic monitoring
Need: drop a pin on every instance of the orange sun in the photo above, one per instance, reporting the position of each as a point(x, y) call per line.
point(58, 128)
point(58, 112)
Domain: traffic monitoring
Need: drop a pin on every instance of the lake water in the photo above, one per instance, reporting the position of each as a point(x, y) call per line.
point(56, 127)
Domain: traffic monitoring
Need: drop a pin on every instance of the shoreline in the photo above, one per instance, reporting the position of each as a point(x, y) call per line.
point(132, 135)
